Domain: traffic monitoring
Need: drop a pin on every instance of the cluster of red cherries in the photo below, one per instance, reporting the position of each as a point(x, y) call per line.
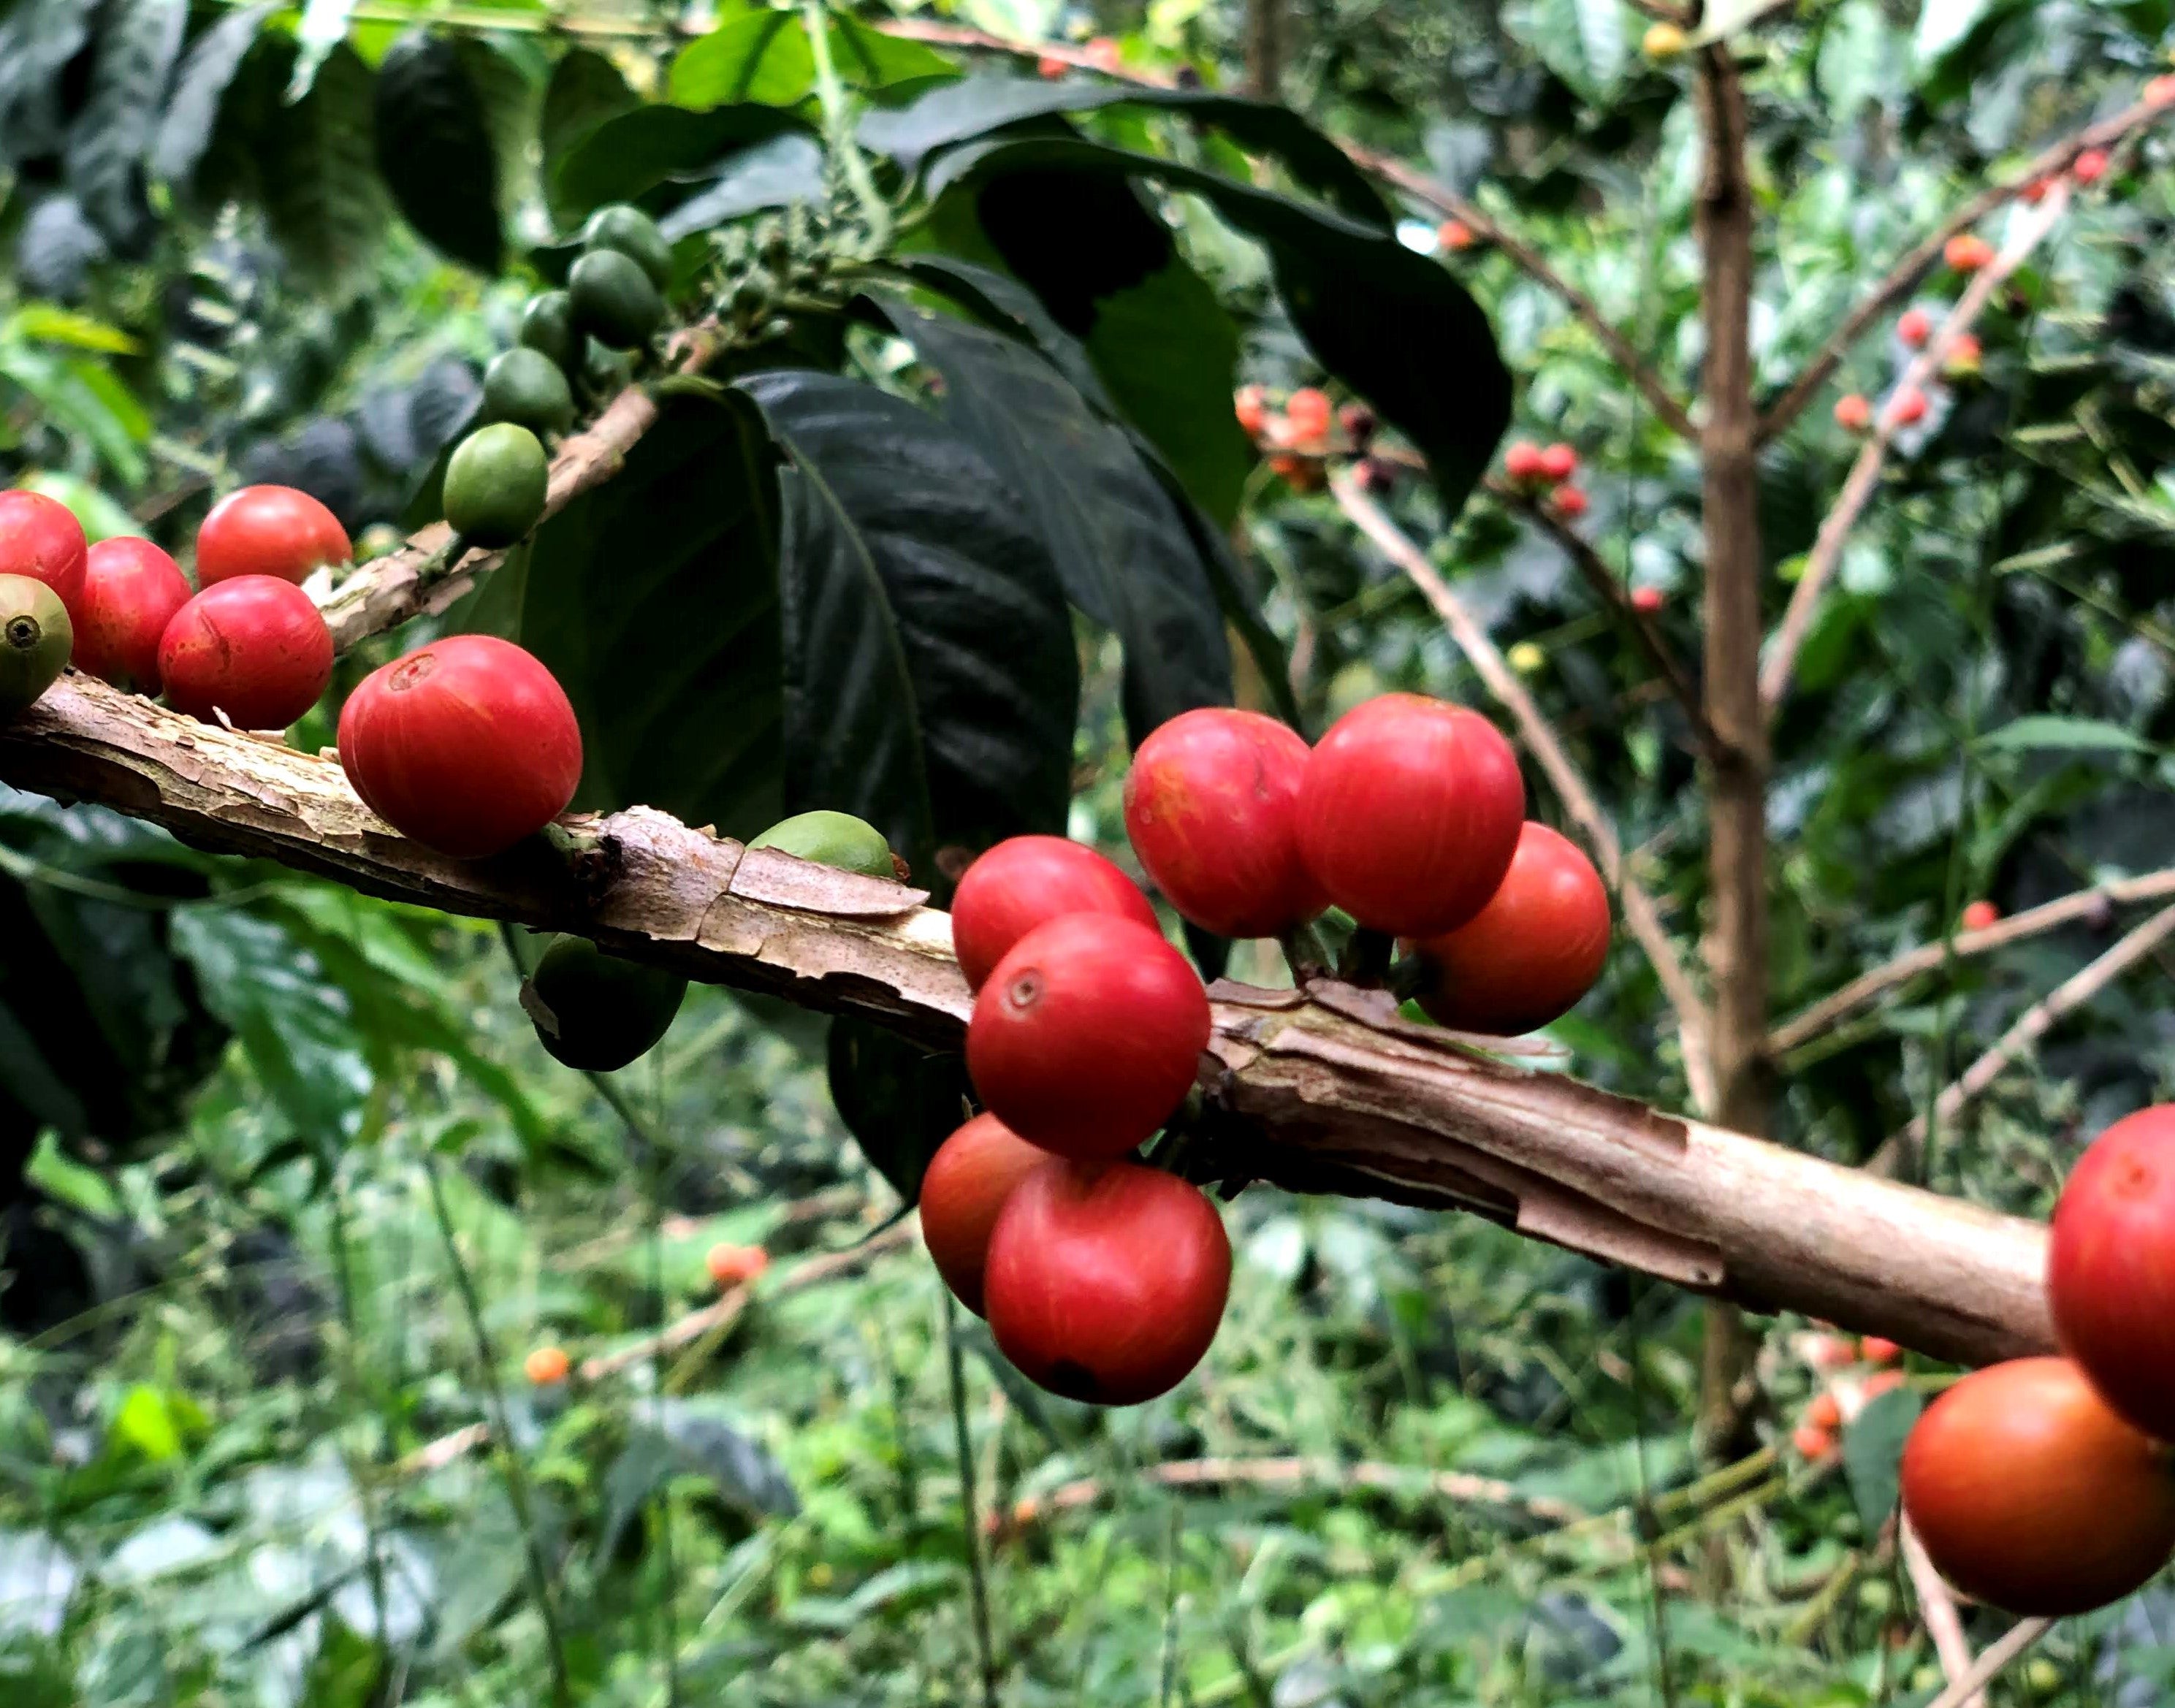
point(1103, 1278)
point(2046, 1485)
point(467, 745)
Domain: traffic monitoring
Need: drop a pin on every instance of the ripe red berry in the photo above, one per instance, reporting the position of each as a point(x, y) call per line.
point(40, 537)
point(2090, 166)
point(1914, 326)
point(1106, 1282)
point(1251, 409)
point(1212, 808)
point(1876, 1350)
point(1825, 1411)
point(131, 590)
point(1813, 1442)
point(545, 1366)
point(1980, 916)
point(1528, 956)
point(1907, 406)
point(1648, 601)
point(467, 745)
point(1968, 252)
point(1853, 412)
point(1522, 461)
point(1559, 462)
point(1309, 412)
point(2029, 1493)
point(1568, 502)
point(255, 648)
point(268, 531)
point(1051, 69)
point(734, 1266)
point(1455, 235)
point(1960, 359)
point(1409, 813)
point(1088, 1035)
point(965, 1186)
point(1029, 880)
point(2111, 1267)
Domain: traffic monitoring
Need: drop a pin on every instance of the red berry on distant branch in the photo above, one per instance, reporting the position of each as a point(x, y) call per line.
point(1979, 916)
point(1853, 412)
point(1051, 69)
point(2090, 166)
point(1907, 406)
point(1569, 502)
point(1648, 601)
point(1522, 461)
point(1310, 414)
point(1455, 236)
point(1252, 409)
point(1914, 326)
point(1968, 252)
point(1825, 1411)
point(1559, 462)
point(1811, 1442)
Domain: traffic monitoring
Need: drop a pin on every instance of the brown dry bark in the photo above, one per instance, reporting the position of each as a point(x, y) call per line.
point(1324, 1091)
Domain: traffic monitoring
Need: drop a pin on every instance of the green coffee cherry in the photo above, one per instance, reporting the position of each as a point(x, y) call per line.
point(36, 638)
point(614, 299)
point(495, 484)
point(833, 839)
point(634, 235)
point(526, 386)
point(596, 1011)
point(547, 325)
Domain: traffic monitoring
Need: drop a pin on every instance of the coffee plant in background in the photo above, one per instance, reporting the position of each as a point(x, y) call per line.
point(860, 386)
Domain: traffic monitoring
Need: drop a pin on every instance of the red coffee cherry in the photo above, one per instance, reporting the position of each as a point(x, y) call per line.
point(1968, 252)
point(1107, 1281)
point(1906, 408)
point(1811, 1442)
point(1914, 326)
point(1088, 1035)
point(255, 648)
point(1825, 1411)
point(2090, 166)
point(1853, 413)
point(131, 590)
point(1522, 461)
point(1309, 412)
point(1980, 916)
point(1648, 601)
point(1409, 813)
point(2110, 1268)
point(2029, 1493)
point(467, 745)
point(40, 537)
point(1027, 881)
point(734, 1266)
point(1212, 808)
point(965, 1185)
point(1559, 462)
point(1528, 956)
point(268, 531)
point(1570, 503)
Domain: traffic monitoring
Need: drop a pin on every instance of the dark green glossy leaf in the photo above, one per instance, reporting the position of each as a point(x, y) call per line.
point(1872, 1453)
point(36, 42)
point(764, 55)
point(316, 173)
point(585, 90)
point(786, 169)
point(624, 158)
point(436, 151)
point(653, 599)
point(899, 1100)
point(927, 647)
point(1121, 545)
point(185, 129)
point(1395, 327)
point(108, 140)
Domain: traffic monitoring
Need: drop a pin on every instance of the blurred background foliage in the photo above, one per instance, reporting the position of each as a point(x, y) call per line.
point(264, 1138)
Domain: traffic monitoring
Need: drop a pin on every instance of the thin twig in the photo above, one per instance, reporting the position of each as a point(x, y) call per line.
point(1602, 579)
point(1916, 263)
point(2034, 1024)
point(1640, 914)
point(2080, 904)
point(1938, 1608)
point(1414, 183)
point(517, 1481)
point(1865, 473)
point(985, 1646)
point(2013, 1642)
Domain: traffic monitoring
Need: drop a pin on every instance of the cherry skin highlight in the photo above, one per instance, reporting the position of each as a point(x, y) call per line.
point(2110, 1268)
point(1088, 1035)
point(1212, 809)
point(1027, 881)
point(268, 531)
point(1409, 813)
point(255, 648)
point(965, 1189)
point(467, 745)
point(2029, 1493)
point(1107, 1281)
point(131, 590)
point(1528, 956)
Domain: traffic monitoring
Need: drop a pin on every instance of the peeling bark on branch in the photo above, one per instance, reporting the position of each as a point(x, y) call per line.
point(1327, 1091)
